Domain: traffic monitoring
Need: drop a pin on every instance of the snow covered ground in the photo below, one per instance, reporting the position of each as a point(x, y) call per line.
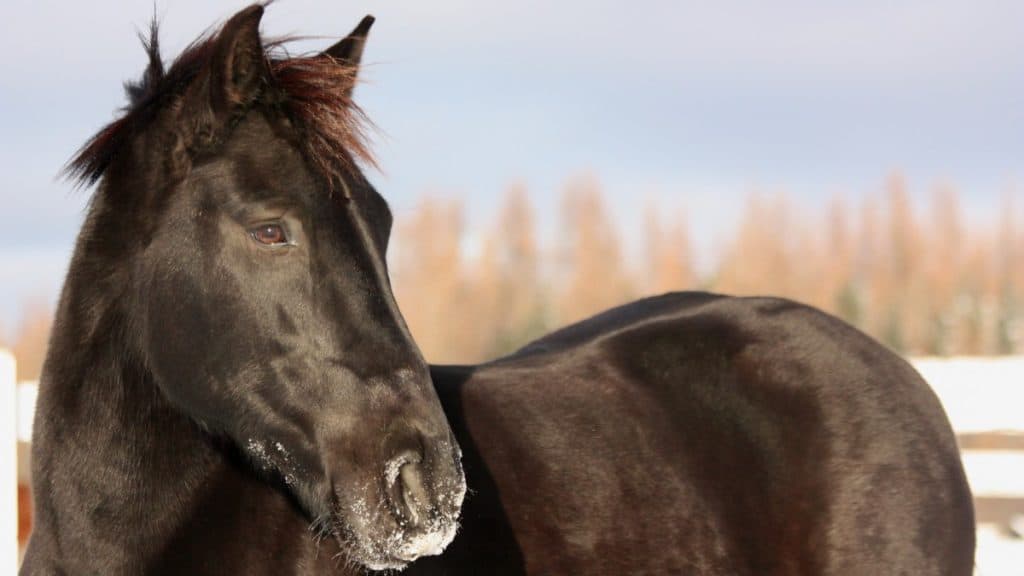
point(979, 394)
point(998, 554)
point(986, 395)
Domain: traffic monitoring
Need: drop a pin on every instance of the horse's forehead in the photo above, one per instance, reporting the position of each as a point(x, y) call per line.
point(258, 159)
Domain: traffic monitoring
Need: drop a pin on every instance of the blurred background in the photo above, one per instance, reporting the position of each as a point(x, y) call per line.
point(545, 161)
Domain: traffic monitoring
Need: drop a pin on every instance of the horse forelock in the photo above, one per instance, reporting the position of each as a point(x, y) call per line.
point(314, 91)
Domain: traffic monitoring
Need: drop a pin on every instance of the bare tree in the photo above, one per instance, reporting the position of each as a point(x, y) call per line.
point(508, 278)
point(429, 281)
point(668, 258)
point(900, 272)
point(840, 293)
point(758, 261)
point(920, 284)
point(594, 275)
point(943, 270)
point(31, 341)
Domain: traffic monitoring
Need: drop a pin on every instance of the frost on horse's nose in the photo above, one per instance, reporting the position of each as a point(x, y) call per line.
point(428, 523)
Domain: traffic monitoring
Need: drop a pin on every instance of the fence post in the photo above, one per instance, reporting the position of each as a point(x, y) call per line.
point(8, 464)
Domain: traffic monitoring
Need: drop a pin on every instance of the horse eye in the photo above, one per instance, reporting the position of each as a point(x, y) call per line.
point(269, 234)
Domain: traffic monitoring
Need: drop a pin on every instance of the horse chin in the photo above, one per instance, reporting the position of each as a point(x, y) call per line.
point(393, 548)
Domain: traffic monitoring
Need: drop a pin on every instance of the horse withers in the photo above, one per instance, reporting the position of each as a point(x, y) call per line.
point(228, 369)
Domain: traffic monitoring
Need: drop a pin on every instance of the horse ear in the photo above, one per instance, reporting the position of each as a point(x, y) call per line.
point(349, 51)
point(238, 67)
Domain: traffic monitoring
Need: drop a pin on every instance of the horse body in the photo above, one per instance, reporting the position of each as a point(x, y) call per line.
point(705, 435)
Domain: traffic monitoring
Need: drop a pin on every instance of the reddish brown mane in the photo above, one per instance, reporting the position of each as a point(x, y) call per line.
point(318, 90)
point(317, 95)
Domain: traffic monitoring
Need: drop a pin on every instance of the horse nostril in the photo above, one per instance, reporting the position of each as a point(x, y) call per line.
point(414, 496)
point(405, 486)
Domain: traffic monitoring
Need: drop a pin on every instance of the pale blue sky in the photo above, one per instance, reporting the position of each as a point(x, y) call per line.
point(694, 103)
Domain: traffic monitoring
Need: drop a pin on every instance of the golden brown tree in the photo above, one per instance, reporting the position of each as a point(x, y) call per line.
point(943, 263)
point(591, 259)
point(31, 341)
point(1009, 289)
point(429, 281)
point(975, 322)
point(867, 285)
point(667, 251)
point(926, 284)
point(758, 261)
point(838, 292)
point(899, 299)
point(508, 289)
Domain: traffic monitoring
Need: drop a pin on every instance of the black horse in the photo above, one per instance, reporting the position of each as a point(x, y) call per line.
point(685, 434)
point(228, 365)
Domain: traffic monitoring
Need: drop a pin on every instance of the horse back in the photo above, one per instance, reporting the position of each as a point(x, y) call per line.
point(698, 434)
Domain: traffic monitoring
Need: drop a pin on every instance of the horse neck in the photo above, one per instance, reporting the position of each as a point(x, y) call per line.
point(125, 483)
point(112, 460)
point(115, 467)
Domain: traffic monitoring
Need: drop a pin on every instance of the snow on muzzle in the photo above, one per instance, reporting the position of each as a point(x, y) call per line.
point(412, 512)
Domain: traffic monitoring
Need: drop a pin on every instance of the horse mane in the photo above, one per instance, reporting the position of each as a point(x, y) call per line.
point(316, 88)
